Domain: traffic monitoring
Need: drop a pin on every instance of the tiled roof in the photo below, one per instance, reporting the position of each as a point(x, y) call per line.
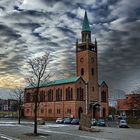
point(122, 104)
point(58, 82)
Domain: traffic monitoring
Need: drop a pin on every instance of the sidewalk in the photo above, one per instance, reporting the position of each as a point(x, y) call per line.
point(136, 126)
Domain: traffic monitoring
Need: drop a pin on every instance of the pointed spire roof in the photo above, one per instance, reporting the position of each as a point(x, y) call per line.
point(85, 26)
point(95, 41)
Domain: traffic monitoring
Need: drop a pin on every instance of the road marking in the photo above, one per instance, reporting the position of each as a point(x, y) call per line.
point(70, 134)
point(3, 137)
point(43, 137)
point(65, 133)
point(7, 137)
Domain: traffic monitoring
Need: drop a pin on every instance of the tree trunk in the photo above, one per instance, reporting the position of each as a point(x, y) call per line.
point(19, 110)
point(19, 116)
point(35, 119)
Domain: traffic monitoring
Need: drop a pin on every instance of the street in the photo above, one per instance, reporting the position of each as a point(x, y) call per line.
point(51, 131)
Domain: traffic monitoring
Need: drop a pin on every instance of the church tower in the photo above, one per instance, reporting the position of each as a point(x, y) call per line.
point(86, 61)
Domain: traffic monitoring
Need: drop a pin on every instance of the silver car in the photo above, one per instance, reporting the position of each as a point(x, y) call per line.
point(123, 124)
point(59, 120)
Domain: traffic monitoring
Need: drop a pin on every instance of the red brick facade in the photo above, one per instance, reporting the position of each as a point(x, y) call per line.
point(71, 99)
point(104, 100)
point(132, 102)
point(54, 109)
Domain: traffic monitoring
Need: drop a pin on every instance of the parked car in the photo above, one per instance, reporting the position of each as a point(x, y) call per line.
point(40, 121)
point(59, 120)
point(101, 122)
point(123, 124)
point(75, 121)
point(67, 120)
point(93, 122)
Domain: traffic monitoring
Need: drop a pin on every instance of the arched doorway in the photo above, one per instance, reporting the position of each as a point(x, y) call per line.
point(95, 110)
point(104, 113)
point(80, 111)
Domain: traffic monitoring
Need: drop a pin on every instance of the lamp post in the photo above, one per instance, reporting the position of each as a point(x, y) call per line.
point(86, 97)
point(100, 103)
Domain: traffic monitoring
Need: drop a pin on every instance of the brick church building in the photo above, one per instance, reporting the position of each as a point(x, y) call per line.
point(72, 96)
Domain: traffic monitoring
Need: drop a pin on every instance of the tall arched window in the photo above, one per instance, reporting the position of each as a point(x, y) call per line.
point(92, 71)
point(42, 96)
point(59, 94)
point(82, 71)
point(28, 97)
point(80, 94)
point(50, 95)
point(103, 96)
point(69, 94)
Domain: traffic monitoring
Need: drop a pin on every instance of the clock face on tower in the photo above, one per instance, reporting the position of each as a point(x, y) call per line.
point(82, 59)
point(92, 59)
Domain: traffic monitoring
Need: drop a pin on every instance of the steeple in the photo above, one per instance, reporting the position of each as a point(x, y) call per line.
point(95, 42)
point(95, 45)
point(85, 26)
point(86, 32)
point(86, 61)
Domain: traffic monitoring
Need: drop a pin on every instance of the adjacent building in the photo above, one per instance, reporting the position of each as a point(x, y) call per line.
point(8, 104)
point(72, 96)
point(130, 106)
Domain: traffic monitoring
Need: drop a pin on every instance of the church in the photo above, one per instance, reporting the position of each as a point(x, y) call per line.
point(72, 96)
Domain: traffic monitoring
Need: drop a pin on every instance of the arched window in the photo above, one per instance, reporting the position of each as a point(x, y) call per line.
point(104, 112)
point(28, 97)
point(92, 59)
point(80, 94)
point(50, 95)
point(66, 94)
point(56, 94)
point(103, 96)
point(59, 94)
point(93, 89)
point(42, 96)
point(69, 94)
point(82, 71)
point(92, 71)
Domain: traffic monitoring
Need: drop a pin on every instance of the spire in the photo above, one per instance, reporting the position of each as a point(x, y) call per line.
point(85, 26)
point(95, 42)
point(95, 45)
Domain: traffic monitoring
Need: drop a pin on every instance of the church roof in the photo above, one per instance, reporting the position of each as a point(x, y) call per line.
point(58, 82)
point(85, 26)
point(104, 83)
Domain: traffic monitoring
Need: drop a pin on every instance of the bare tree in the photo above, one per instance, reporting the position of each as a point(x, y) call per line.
point(18, 94)
point(38, 75)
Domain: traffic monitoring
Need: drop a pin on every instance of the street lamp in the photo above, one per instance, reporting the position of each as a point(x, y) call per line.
point(86, 97)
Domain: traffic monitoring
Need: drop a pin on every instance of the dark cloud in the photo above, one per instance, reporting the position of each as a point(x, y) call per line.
point(122, 54)
point(30, 28)
point(2, 8)
point(9, 33)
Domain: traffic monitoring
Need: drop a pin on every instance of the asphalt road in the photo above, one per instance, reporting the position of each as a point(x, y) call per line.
point(51, 131)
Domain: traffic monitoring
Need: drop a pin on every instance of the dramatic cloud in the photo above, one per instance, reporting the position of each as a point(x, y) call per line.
point(28, 28)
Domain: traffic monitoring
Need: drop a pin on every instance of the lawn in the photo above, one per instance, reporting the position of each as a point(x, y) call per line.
point(7, 113)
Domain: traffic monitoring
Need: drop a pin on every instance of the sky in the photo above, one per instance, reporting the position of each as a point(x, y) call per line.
point(29, 28)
